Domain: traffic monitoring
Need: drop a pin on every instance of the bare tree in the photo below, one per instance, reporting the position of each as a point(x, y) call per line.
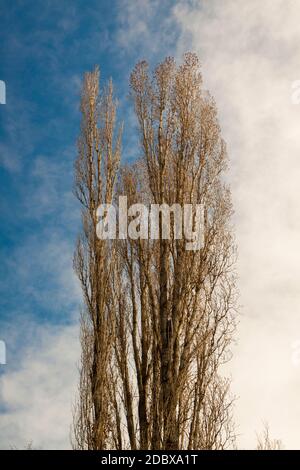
point(95, 175)
point(266, 442)
point(158, 318)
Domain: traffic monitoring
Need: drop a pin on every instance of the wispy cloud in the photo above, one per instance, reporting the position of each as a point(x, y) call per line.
point(145, 29)
point(37, 393)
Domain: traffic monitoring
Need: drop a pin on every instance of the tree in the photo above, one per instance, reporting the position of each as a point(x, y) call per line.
point(158, 318)
point(95, 175)
point(266, 442)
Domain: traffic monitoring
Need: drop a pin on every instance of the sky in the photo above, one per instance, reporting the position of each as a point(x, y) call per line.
point(249, 53)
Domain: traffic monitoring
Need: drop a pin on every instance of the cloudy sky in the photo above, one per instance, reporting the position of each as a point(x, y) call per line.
point(250, 55)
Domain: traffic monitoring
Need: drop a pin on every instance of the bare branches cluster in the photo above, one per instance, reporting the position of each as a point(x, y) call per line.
point(158, 319)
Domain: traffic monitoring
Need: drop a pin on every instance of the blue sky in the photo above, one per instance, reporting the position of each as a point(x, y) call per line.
point(250, 58)
point(45, 49)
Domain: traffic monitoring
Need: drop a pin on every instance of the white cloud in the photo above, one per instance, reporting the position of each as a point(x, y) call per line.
point(249, 52)
point(37, 392)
